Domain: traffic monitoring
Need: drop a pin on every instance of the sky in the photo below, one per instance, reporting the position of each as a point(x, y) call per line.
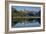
point(27, 8)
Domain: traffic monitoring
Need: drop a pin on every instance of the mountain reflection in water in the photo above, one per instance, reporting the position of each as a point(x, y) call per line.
point(27, 23)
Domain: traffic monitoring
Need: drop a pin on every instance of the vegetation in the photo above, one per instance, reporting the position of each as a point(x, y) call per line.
point(20, 13)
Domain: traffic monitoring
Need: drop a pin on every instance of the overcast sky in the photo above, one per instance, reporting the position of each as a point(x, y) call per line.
point(27, 8)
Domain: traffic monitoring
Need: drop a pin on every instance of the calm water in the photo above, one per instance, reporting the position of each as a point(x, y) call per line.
point(27, 24)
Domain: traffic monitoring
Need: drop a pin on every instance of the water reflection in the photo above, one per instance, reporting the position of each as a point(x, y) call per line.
point(26, 22)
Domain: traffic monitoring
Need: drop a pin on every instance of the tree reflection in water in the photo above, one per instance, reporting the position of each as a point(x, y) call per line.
point(25, 20)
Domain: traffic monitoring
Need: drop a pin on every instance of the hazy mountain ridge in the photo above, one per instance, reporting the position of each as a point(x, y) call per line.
point(31, 13)
point(24, 13)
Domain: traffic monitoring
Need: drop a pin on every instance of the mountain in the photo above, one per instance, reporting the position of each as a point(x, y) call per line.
point(38, 14)
point(25, 13)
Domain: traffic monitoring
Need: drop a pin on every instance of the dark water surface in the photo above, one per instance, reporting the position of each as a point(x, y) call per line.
point(27, 24)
